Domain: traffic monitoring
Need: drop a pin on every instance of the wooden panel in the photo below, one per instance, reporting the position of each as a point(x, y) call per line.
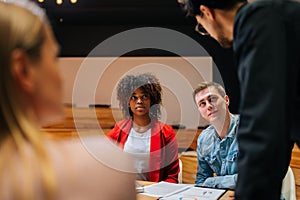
point(295, 161)
point(70, 133)
point(189, 166)
point(296, 172)
point(105, 117)
point(295, 165)
point(87, 118)
point(187, 138)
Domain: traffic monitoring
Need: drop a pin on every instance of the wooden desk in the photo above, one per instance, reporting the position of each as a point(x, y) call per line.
point(140, 196)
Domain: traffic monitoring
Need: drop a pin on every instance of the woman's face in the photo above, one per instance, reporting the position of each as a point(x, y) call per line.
point(140, 103)
point(47, 96)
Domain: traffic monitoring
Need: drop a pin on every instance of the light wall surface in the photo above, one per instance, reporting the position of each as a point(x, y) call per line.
point(89, 81)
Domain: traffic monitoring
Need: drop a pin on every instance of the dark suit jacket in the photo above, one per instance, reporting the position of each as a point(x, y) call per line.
point(267, 51)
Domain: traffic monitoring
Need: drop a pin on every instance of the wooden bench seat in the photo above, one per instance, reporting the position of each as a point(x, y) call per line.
point(104, 118)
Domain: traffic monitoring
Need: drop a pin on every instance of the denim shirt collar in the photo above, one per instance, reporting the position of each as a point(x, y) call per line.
point(231, 132)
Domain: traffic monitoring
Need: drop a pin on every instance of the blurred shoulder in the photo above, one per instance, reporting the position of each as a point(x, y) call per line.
point(91, 168)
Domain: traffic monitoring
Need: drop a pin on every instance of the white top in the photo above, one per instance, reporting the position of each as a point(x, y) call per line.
point(138, 144)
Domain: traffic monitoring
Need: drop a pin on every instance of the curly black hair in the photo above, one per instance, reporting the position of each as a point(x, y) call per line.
point(148, 83)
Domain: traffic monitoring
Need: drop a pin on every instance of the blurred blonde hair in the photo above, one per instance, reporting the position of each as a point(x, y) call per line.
point(21, 29)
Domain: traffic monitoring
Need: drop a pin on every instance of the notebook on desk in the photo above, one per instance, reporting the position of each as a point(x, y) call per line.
point(197, 193)
point(171, 191)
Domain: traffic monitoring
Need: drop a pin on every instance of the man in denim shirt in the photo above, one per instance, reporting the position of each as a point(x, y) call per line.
point(217, 147)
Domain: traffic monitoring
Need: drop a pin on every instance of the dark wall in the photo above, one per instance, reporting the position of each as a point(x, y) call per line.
point(81, 27)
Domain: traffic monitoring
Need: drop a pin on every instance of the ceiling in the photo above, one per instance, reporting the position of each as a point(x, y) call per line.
point(80, 27)
point(93, 12)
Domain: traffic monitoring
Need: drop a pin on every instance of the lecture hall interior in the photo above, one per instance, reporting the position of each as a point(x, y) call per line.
point(81, 26)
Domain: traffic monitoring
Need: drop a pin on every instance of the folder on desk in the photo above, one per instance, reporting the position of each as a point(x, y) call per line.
point(197, 193)
point(171, 191)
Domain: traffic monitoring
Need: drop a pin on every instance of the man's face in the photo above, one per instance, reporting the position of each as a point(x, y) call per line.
point(211, 105)
point(216, 30)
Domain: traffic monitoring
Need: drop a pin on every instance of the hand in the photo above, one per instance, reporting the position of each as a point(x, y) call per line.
point(229, 195)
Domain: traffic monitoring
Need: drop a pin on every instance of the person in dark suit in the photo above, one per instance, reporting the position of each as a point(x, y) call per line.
point(265, 36)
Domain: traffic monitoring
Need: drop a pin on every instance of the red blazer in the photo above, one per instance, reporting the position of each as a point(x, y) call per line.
point(164, 165)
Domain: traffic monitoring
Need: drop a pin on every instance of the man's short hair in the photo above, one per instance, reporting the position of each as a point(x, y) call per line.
point(206, 84)
point(192, 7)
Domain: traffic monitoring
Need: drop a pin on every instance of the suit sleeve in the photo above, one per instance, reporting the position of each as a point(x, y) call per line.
point(261, 58)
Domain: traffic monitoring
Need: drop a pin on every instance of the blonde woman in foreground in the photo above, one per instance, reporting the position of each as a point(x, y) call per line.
point(30, 95)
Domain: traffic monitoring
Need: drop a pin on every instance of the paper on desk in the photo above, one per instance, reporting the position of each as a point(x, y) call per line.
point(163, 189)
point(197, 193)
